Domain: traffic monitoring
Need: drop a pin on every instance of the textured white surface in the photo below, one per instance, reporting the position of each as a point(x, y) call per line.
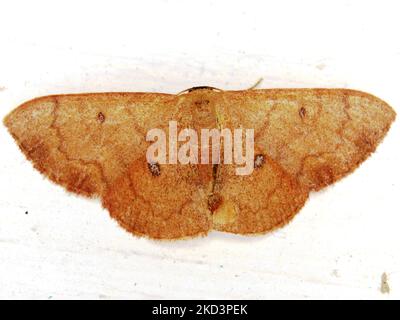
point(338, 246)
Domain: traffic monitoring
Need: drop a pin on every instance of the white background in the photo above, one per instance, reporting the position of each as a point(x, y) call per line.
point(338, 246)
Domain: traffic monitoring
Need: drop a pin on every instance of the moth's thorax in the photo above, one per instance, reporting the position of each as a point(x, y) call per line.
point(199, 105)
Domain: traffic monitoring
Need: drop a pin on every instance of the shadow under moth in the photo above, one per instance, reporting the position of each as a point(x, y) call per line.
point(304, 139)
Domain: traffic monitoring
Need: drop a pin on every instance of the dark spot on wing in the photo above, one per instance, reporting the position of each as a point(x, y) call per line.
point(259, 161)
point(302, 112)
point(101, 117)
point(154, 169)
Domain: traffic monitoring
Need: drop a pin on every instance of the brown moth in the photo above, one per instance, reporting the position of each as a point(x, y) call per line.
point(304, 139)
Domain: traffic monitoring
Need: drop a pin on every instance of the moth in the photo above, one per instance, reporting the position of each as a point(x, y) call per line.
point(304, 140)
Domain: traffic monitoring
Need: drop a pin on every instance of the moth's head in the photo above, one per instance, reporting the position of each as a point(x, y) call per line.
point(199, 88)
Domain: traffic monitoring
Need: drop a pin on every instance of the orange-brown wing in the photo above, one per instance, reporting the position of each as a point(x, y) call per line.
point(264, 200)
point(308, 139)
point(95, 145)
point(171, 201)
point(316, 135)
point(85, 141)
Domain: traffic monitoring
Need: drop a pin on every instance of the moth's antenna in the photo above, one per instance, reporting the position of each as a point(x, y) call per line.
point(256, 84)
